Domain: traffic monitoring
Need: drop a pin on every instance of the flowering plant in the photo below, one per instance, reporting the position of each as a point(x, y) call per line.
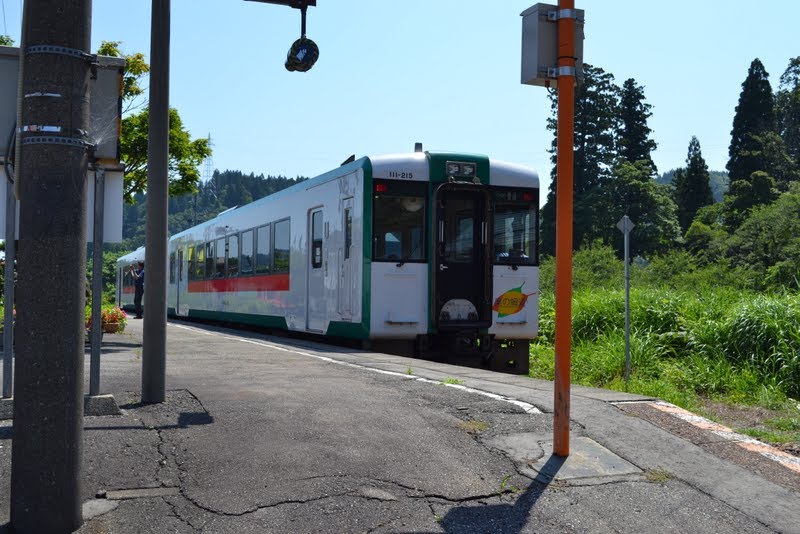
point(114, 314)
point(109, 315)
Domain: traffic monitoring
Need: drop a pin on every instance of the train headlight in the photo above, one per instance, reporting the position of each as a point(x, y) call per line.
point(453, 169)
point(468, 169)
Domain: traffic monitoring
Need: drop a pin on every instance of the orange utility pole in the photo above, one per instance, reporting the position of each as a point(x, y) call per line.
point(564, 192)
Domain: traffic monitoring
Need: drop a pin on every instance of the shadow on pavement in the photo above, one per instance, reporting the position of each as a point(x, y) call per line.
point(185, 420)
point(503, 517)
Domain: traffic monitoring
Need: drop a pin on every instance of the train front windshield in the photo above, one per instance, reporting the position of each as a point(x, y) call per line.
point(399, 221)
point(515, 228)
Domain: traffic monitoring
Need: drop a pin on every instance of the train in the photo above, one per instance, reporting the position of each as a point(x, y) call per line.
point(434, 250)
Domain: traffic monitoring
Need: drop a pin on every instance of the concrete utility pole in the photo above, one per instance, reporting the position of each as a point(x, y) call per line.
point(48, 393)
point(154, 342)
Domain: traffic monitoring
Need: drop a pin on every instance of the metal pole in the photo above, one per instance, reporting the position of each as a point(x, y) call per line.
point(627, 307)
point(8, 289)
point(48, 373)
point(564, 171)
point(97, 280)
point(155, 289)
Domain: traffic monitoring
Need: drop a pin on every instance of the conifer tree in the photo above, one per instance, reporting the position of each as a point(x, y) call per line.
point(788, 109)
point(692, 186)
point(755, 115)
point(634, 141)
point(596, 125)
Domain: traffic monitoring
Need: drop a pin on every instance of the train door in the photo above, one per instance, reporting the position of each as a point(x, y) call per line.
point(346, 261)
point(180, 281)
point(461, 281)
point(315, 295)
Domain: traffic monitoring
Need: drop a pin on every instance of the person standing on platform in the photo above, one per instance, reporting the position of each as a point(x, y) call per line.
point(138, 285)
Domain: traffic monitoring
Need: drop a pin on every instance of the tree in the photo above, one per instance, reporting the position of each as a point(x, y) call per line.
point(634, 135)
point(768, 241)
point(745, 195)
point(596, 126)
point(692, 187)
point(633, 192)
point(185, 154)
point(755, 115)
point(787, 105)
point(6, 40)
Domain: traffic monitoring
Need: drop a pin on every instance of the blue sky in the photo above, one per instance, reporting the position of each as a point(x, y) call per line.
point(441, 72)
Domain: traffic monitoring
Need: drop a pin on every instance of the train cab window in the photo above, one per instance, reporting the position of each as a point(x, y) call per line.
point(200, 262)
point(233, 255)
point(399, 221)
point(210, 259)
point(219, 261)
point(172, 268)
point(263, 252)
point(280, 246)
point(192, 268)
point(515, 227)
point(316, 239)
point(246, 265)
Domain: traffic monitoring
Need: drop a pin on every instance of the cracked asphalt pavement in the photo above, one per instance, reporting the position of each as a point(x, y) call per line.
point(261, 434)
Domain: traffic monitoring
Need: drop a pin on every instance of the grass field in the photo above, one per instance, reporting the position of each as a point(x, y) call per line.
point(697, 341)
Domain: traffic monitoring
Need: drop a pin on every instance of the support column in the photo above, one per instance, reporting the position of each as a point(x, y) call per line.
point(51, 173)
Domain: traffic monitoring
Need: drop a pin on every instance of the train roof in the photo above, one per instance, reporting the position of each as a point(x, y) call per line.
point(132, 257)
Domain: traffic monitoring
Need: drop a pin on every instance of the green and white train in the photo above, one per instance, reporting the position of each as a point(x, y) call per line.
point(430, 248)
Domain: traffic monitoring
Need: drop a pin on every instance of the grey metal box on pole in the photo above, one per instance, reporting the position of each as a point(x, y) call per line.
point(540, 45)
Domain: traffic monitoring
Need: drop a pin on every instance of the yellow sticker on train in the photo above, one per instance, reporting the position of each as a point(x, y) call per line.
point(511, 302)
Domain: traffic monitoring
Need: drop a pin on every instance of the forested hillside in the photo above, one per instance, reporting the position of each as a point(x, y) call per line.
point(224, 190)
point(718, 180)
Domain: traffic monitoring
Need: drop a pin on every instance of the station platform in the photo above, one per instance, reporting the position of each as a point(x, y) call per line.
point(266, 434)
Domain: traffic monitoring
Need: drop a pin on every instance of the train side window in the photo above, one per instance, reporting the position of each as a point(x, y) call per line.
point(246, 265)
point(192, 265)
point(348, 232)
point(200, 262)
point(316, 239)
point(233, 255)
point(172, 268)
point(210, 259)
point(263, 253)
point(280, 246)
point(219, 262)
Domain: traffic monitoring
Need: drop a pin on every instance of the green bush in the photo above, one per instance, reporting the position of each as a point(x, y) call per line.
point(596, 266)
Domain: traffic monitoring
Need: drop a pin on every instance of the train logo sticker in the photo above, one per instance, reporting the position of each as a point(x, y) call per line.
point(511, 302)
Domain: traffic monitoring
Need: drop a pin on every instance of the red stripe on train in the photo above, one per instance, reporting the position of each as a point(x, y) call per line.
point(268, 282)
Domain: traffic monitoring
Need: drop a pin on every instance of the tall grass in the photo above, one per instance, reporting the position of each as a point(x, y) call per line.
point(700, 335)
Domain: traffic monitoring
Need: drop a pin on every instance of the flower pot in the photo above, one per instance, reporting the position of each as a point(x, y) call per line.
point(111, 328)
